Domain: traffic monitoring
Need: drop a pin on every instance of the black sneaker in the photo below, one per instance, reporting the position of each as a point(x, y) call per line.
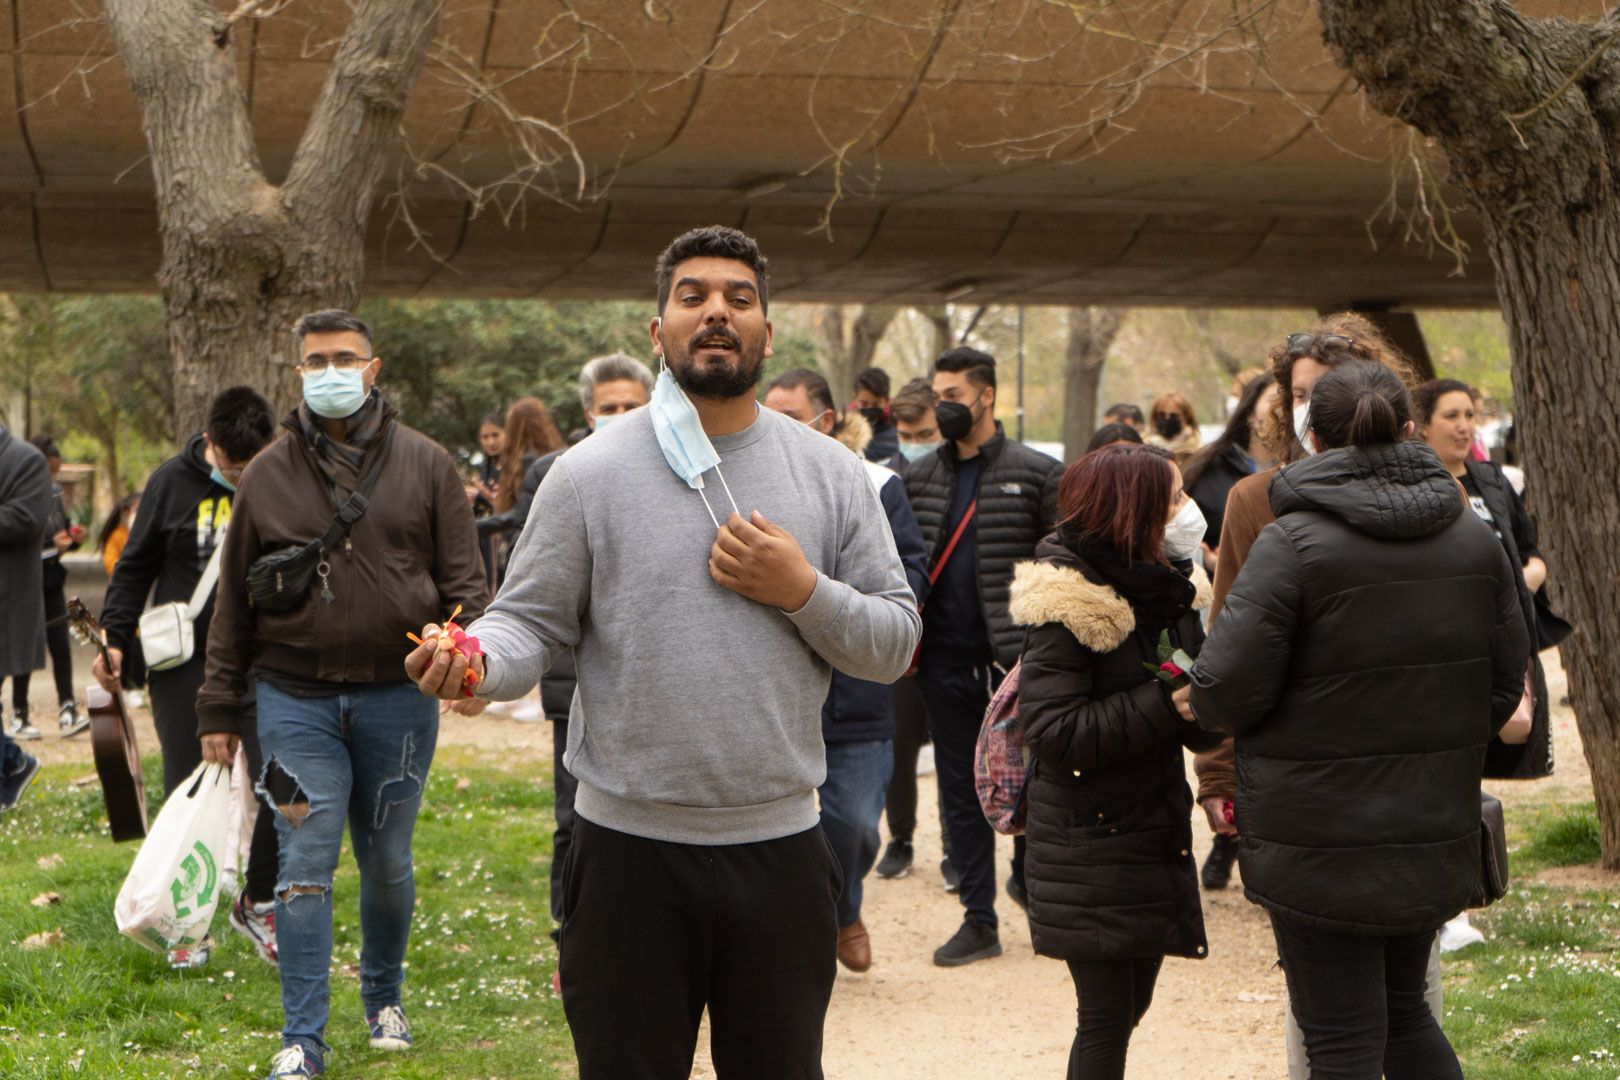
point(1017, 893)
point(953, 880)
point(15, 782)
point(1217, 873)
point(896, 861)
point(974, 941)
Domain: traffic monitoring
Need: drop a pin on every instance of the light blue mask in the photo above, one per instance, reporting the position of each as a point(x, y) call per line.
point(681, 437)
point(335, 394)
point(604, 422)
point(916, 451)
point(219, 478)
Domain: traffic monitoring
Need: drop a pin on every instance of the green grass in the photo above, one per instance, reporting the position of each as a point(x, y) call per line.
point(478, 989)
point(1541, 997)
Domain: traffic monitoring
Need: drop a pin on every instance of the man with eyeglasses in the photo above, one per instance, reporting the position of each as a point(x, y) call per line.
point(345, 737)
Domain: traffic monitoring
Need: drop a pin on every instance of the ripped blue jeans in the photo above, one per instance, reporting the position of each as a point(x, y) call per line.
point(361, 757)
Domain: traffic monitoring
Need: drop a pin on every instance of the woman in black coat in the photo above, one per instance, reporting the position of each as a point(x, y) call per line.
point(1444, 411)
point(1109, 866)
point(1367, 654)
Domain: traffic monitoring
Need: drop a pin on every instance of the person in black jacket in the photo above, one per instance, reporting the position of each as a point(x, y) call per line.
point(610, 387)
point(857, 719)
point(969, 640)
point(184, 513)
point(1368, 652)
point(872, 402)
point(1109, 866)
point(61, 537)
point(1444, 411)
point(25, 507)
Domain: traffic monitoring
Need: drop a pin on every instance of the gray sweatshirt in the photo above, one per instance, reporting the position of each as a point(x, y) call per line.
point(698, 716)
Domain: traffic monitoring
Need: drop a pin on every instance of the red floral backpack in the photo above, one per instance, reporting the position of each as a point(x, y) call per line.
point(1001, 761)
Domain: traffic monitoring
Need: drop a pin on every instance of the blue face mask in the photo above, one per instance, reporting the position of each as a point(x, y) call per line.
point(219, 478)
point(916, 451)
point(335, 394)
point(603, 422)
point(681, 437)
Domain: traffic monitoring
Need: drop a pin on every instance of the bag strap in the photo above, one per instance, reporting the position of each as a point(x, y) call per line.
point(205, 584)
point(950, 545)
point(355, 507)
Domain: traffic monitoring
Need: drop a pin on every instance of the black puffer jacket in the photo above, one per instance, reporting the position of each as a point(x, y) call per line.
point(1017, 507)
point(1371, 647)
point(1109, 862)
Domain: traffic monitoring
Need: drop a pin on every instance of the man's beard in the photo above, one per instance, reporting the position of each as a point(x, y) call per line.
point(737, 378)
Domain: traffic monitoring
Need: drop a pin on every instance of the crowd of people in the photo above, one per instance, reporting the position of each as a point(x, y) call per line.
point(801, 594)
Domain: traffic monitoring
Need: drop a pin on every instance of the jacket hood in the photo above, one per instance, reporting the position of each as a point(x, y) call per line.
point(1399, 491)
point(854, 431)
point(193, 456)
point(1052, 589)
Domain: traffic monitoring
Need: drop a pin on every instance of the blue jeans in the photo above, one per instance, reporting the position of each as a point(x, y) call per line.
point(851, 807)
point(361, 757)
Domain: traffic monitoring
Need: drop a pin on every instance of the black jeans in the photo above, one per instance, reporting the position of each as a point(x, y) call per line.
point(910, 732)
point(654, 931)
point(173, 696)
point(562, 837)
point(60, 648)
point(1114, 996)
point(956, 698)
point(1359, 999)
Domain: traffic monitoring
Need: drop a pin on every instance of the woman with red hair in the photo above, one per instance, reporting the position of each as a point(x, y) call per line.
point(1109, 866)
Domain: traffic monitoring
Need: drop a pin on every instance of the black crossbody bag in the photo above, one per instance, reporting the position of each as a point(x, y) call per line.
point(278, 582)
point(1493, 855)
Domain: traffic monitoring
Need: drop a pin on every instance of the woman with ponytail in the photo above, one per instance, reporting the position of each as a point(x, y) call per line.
point(1368, 652)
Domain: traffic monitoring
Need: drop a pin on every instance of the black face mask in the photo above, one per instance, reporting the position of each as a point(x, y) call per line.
point(1168, 426)
point(875, 416)
point(955, 420)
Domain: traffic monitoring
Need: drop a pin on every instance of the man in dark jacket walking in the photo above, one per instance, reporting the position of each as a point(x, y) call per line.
point(872, 403)
point(983, 503)
point(25, 507)
point(347, 739)
point(857, 719)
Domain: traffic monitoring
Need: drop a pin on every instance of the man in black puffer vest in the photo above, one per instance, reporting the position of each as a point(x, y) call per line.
point(969, 639)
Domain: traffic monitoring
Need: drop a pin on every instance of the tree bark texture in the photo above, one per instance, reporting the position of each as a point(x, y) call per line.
point(846, 353)
point(1092, 331)
point(243, 256)
point(1528, 114)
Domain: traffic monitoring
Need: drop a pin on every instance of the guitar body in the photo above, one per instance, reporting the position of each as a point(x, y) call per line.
point(112, 741)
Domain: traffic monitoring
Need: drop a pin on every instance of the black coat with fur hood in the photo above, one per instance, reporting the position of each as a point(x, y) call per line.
point(1109, 863)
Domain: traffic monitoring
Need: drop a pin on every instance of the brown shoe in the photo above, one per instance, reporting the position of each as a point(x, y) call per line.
point(854, 947)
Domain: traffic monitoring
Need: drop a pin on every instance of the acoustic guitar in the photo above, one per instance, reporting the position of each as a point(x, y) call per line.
point(112, 739)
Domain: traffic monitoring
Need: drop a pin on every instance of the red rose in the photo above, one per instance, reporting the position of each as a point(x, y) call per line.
point(1169, 667)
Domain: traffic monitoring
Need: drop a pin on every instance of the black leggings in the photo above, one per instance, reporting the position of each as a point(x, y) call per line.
point(1114, 996)
point(1359, 1000)
point(61, 650)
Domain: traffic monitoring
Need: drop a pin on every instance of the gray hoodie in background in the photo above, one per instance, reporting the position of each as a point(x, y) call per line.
point(698, 719)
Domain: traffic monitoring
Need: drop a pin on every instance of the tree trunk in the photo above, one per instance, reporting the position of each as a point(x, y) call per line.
point(845, 355)
point(1525, 111)
point(1092, 331)
point(243, 257)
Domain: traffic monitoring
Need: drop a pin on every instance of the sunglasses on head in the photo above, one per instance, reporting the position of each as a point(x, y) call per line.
point(1302, 342)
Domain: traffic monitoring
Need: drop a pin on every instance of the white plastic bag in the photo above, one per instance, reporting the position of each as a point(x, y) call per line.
point(169, 896)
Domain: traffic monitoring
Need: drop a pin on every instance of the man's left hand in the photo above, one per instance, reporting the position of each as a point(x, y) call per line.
point(763, 562)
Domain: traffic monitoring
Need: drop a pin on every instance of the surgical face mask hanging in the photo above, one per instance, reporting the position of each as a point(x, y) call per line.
point(685, 445)
point(1185, 532)
point(219, 478)
point(1302, 426)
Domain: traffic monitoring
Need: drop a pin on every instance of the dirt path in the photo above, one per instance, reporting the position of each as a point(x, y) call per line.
point(1014, 1016)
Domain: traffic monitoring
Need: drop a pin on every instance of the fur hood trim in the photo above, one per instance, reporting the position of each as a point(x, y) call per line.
point(854, 432)
point(1097, 616)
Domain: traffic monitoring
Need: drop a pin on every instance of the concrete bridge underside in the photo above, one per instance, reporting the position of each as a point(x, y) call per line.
point(995, 150)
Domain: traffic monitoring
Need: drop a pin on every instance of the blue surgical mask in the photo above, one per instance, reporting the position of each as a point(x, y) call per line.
point(681, 437)
point(603, 422)
point(335, 394)
point(219, 478)
point(916, 451)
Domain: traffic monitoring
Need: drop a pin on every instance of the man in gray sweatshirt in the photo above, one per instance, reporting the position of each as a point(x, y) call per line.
point(711, 563)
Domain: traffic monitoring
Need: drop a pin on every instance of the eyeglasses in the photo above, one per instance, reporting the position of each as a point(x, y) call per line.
point(1302, 342)
point(343, 361)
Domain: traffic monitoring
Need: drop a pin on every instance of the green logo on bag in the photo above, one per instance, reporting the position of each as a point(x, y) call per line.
point(197, 880)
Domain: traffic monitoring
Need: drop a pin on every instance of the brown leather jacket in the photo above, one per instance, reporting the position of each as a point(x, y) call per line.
point(409, 560)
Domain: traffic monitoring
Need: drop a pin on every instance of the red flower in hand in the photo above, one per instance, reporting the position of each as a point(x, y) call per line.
point(1169, 668)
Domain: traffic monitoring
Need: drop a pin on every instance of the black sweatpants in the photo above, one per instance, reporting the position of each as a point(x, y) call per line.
point(562, 837)
point(173, 696)
point(654, 931)
point(60, 647)
point(910, 732)
point(1114, 995)
point(1360, 1002)
point(957, 698)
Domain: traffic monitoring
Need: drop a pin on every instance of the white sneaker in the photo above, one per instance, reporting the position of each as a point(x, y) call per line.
point(135, 699)
point(1459, 933)
point(925, 760)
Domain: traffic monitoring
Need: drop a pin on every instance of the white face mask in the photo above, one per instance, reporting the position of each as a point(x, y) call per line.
point(1185, 532)
point(1302, 426)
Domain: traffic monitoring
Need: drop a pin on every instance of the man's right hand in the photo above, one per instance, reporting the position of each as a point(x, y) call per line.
point(220, 748)
point(440, 672)
point(1215, 810)
point(109, 678)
